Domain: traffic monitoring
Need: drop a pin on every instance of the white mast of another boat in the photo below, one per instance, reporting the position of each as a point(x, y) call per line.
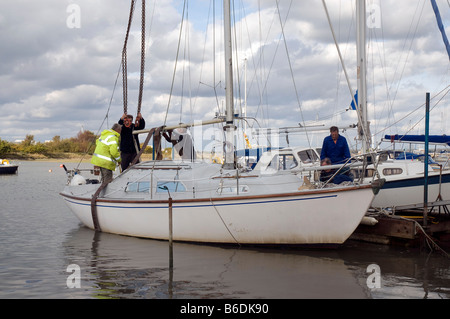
point(363, 131)
point(229, 128)
point(244, 112)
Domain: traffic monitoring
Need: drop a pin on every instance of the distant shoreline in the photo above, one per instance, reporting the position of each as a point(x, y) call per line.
point(55, 157)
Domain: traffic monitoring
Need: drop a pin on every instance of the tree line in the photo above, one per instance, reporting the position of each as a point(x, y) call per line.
point(83, 143)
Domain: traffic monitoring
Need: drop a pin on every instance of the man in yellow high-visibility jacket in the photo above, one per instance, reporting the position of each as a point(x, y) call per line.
point(107, 154)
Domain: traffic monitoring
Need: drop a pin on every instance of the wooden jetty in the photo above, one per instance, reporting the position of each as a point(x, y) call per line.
point(408, 226)
point(426, 223)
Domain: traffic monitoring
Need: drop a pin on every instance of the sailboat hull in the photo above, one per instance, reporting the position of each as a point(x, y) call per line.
point(410, 190)
point(327, 217)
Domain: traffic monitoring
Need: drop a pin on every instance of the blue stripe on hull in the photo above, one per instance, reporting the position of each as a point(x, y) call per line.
point(417, 181)
point(218, 204)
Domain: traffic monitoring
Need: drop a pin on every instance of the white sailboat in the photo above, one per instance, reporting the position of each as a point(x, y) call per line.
point(215, 203)
point(404, 178)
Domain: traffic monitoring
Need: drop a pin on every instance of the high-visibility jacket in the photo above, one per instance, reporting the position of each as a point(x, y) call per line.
point(107, 153)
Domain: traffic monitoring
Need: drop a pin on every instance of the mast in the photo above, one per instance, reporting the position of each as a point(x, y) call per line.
point(244, 113)
point(363, 131)
point(229, 128)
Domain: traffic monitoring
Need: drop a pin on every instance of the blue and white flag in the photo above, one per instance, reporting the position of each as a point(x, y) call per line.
point(352, 105)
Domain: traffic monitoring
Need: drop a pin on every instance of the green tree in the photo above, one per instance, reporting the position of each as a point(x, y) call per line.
point(85, 141)
point(5, 147)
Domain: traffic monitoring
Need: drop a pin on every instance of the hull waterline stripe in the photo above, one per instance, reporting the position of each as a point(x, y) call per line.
point(419, 181)
point(205, 205)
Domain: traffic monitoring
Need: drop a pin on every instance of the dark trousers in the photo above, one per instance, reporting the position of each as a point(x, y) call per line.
point(106, 175)
point(126, 158)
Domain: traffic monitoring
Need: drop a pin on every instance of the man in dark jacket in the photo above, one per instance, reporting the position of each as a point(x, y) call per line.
point(129, 144)
point(335, 147)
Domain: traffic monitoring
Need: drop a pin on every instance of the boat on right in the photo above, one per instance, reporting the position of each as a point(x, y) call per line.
point(408, 174)
point(405, 179)
point(408, 181)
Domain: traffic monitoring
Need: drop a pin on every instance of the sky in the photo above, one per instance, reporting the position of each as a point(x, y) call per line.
point(60, 62)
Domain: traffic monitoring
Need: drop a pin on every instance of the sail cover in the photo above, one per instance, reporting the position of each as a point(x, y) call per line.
point(442, 139)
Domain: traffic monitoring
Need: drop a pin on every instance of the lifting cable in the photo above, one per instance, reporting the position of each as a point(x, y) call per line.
point(125, 94)
point(141, 83)
point(124, 59)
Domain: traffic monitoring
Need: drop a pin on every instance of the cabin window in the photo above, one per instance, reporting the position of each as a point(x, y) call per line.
point(283, 162)
point(287, 162)
point(383, 157)
point(138, 187)
point(308, 156)
point(273, 162)
point(392, 171)
point(172, 186)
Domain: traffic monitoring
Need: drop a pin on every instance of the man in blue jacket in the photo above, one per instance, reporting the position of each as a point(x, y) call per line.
point(335, 147)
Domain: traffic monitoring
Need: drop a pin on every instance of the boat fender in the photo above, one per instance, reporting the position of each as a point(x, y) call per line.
point(78, 180)
point(377, 185)
point(369, 221)
point(5, 162)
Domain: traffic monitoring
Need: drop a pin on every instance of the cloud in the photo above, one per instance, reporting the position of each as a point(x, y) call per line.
point(56, 79)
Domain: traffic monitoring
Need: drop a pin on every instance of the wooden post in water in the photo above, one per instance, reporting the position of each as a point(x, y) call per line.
point(425, 191)
point(170, 247)
point(170, 228)
point(170, 287)
point(170, 233)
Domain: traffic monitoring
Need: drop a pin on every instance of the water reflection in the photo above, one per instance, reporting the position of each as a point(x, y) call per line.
point(40, 238)
point(405, 273)
point(124, 267)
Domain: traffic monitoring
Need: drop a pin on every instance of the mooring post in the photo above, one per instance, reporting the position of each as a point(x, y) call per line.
point(170, 228)
point(170, 242)
point(170, 248)
point(425, 191)
point(170, 231)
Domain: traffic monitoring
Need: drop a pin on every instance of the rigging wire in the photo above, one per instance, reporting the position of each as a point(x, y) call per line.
point(419, 108)
point(104, 119)
point(123, 68)
point(176, 62)
point(290, 65)
point(252, 54)
point(344, 69)
point(408, 51)
point(214, 86)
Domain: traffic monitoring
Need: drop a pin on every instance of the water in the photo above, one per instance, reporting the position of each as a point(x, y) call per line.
point(40, 238)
